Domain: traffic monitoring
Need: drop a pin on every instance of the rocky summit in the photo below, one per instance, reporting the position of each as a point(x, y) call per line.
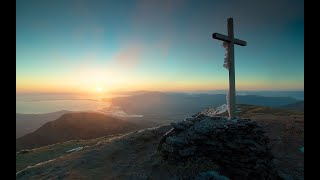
point(239, 148)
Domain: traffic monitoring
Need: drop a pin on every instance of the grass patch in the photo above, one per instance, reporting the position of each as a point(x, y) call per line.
point(190, 167)
point(250, 110)
point(32, 157)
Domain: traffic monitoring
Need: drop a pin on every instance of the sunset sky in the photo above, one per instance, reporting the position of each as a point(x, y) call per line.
point(163, 45)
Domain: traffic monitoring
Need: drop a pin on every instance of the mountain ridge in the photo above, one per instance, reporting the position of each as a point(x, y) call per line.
point(73, 126)
point(134, 154)
point(294, 106)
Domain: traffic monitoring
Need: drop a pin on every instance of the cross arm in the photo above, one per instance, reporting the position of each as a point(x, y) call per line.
point(228, 39)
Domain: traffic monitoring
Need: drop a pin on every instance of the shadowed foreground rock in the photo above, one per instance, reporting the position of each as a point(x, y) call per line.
point(240, 147)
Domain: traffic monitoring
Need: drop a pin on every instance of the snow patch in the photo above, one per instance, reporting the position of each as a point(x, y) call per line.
point(213, 111)
point(75, 149)
point(39, 164)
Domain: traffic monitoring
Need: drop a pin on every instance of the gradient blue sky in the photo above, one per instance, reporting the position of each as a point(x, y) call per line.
point(78, 45)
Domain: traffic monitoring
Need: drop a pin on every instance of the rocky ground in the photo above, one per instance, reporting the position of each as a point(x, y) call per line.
point(135, 155)
point(238, 147)
point(286, 132)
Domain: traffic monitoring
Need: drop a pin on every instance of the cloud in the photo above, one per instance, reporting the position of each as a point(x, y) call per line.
point(129, 55)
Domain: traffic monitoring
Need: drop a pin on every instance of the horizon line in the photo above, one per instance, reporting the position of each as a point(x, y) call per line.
point(181, 91)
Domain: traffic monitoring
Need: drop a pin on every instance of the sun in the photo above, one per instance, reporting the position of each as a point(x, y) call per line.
point(99, 89)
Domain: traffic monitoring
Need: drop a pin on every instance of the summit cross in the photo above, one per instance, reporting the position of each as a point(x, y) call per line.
point(231, 41)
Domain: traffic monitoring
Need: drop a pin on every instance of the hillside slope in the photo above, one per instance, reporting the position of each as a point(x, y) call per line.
point(73, 126)
point(177, 106)
point(134, 156)
point(27, 123)
point(295, 106)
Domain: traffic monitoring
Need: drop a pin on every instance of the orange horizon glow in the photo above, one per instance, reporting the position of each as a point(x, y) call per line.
point(164, 87)
point(97, 80)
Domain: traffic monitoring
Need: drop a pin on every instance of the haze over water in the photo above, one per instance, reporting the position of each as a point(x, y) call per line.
point(37, 103)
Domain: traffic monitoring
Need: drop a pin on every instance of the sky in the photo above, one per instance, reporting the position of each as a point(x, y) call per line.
point(115, 45)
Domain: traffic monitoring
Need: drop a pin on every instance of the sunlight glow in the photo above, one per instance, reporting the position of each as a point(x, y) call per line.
point(99, 89)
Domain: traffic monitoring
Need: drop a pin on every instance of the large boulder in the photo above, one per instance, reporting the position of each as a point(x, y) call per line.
point(239, 147)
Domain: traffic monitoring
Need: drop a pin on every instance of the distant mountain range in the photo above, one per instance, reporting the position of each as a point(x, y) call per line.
point(156, 107)
point(73, 126)
point(175, 106)
point(294, 94)
point(295, 106)
point(298, 94)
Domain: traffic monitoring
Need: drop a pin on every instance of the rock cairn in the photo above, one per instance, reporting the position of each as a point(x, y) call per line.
point(239, 147)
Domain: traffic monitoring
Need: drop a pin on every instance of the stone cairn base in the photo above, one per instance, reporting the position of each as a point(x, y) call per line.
point(239, 147)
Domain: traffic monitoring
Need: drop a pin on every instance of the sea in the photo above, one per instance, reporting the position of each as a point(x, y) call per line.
point(46, 103)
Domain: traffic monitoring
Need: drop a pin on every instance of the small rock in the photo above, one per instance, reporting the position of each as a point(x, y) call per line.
point(284, 176)
point(214, 175)
point(181, 125)
point(174, 141)
point(188, 151)
point(166, 147)
point(177, 126)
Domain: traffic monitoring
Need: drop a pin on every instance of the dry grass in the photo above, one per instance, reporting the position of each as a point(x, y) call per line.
point(134, 155)
point(31, 157)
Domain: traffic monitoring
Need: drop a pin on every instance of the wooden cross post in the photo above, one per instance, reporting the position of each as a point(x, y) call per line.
point(231, 41)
